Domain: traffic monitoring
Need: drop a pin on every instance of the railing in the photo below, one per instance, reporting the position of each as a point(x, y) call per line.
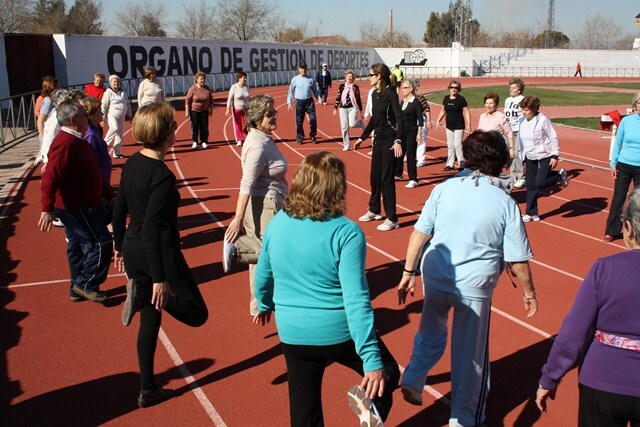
point(17, 119)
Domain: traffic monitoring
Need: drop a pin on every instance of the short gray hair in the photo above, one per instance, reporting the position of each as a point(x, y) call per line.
point(256, 109)
point(59, 95)
point(631, 212)
point(68, 109)
point(114, 77)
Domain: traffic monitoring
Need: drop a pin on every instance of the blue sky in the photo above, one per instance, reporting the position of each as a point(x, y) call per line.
point(328, 17)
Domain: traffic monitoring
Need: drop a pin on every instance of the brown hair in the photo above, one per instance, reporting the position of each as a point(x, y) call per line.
point(531, 102)
point(518, 82)
point(494, 96)
point(485, 152)
point(91, 105)
point(387, 79)
point(153, 124)
point(199, 74)
point(452, 81)
point(241, 74)
point(101, 75)
point(318, 188)
point(49, 83)
point(148, 70)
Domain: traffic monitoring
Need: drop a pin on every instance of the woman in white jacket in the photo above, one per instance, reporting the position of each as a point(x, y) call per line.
point(115, 109)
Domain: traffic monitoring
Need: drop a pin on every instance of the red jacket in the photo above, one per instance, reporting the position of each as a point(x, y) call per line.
point(72, 178)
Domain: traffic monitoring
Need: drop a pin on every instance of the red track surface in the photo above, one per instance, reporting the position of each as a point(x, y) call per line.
point(74, 364)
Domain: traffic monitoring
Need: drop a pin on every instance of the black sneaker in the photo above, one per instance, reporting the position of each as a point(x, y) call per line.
point(154, 396)
point(95, 296)
point(447, 168)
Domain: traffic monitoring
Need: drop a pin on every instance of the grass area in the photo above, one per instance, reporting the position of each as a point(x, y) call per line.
point(580, 122)
point(548, 97)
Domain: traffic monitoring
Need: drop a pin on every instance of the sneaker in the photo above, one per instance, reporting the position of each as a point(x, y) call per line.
point(75, 297)
point(519, 183)
point(346, 148)
point(412, 184)
point(399, 178)
point(421, 164)
point(314, 140)
point(300, 142)
point(370, 216)
point(229, 251)
point(563, 178)
point(95, 296)
point(132, 304)
point(194, 145)
point(448, 168)
point(118, 156)
point(239, 143)
point(154, 396)
point(412, 396)
point(364, 408)
point(57, 223)
point(530, 218)
point(607, 238)
point(205, 145)
point(388, 225)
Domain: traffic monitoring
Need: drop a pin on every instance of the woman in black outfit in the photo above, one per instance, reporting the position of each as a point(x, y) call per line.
point(386, 119)
point(458, 118)
point(159, 275)
point(413, 123)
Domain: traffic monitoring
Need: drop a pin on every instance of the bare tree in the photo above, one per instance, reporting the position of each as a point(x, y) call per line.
point(84, 18)
point(48, 17)
point(376, 35)
point(15, 15)
point(198, 21)
point(146, 20)
point(281, 30)
point(245, 20)
point(598, 32)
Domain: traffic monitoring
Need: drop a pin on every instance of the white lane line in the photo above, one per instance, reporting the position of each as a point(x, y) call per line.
point(586, 236)
point(432, 391)
point(49, 282)
point(190, 380)
point(217, 189)
point(521, 323)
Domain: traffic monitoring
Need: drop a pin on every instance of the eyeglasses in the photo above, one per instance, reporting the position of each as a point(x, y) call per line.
point(271, 113)
point(372, 74)
point(454, 87)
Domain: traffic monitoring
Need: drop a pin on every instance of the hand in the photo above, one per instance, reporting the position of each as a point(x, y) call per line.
point(429, 124)
point(530, 304)
point(357, 144)
point(541, 398)
point(553, 163)
point(227, 113)
point(437, 126)
point(186, 114)
point(512, 153)
point(335, 112)
point(407, 285)
point(288, 107)
point(262, 318)
point(614, 172)
point(43, 168)
point(233, 230)
point(397, 150)
point(45, 221)
point(118, 261)
point(468, 129)
point(161, 294)
point(373, 383)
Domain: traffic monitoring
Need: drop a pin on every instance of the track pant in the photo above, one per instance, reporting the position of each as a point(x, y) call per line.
point(538, 175)
point(348, 119)
point(305, 368)
point(626, 174)
point(115, 133)
point(305, 106)
point(469, 352)
point(187, 307)
point(323, 92)
point(409, 148)
point(239, 119)
point(517, 168)
point(454, 147)
point(89, 246)
point(259, 211)
point(382, 180)
point(199, 125)
point(603, 409)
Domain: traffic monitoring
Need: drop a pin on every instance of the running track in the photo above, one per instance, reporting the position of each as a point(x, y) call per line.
point(74, 364)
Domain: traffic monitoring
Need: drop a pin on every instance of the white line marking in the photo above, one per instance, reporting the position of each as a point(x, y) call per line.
point(49, 282)
point(521, 323)
point(216, 189)
point(190, 380)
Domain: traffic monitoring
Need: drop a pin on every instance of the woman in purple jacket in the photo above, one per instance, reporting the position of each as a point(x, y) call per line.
point(601, 333)
point(93, 136)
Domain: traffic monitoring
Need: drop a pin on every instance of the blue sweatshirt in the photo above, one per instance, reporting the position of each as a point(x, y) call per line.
point(311, 273)
point(627, 146)
point(304, 88)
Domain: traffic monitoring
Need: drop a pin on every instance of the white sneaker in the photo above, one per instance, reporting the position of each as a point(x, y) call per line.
point(421, 164)
point(57, 223)
point(205, 145)
point(370, 216)
point(412, 184)
point(388, 225)
point(229, 251)
point(564, 179)
point(530, 218)
point(364, 408)
point(346, 148)
point(519, 183)
point(412, 396)
point(194, 145)
point(239, 143)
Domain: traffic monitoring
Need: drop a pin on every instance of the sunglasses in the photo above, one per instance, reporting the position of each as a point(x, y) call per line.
point(372, 74)
point(454, 87)
point(271, 113)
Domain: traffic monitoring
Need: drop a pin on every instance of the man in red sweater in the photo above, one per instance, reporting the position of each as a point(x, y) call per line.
point(72, 189)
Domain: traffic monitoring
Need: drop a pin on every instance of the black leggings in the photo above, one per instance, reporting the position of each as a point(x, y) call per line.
point(409, 148)
point(187, 307)
point(603, 409)
point(305, 368)
point(199, 125)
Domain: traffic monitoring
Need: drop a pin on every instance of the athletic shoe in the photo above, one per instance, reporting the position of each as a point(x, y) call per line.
point(194, 145)
point(564, 179)
point(370, 216)
point(75, 297)
point(607, 238)
point(519, 183)
point(412, 396)
point(448, 168)
point(205, 145)
point(57, 223)
point(412, 184)
point(421, 164)
point(154, 396)
point(132, 304)
point(95, 296)
point(388, 225)
point(300, 142)
point(364, 408)
point(399, 178)
point(239, 143)
point(313, 139)
point(529, 218)
point(118, 156)
point(229, 251)
point(346, 148)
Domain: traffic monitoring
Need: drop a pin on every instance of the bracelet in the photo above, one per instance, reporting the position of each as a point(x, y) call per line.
point(409, 272)
point(397, 141)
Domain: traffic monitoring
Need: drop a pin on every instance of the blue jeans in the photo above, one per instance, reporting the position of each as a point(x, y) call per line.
point(89, 246)
point(305, 106)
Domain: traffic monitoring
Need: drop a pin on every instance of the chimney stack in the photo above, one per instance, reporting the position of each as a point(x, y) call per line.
point(391, 21)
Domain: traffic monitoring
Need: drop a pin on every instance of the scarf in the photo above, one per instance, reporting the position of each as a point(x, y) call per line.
point(348, 90)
